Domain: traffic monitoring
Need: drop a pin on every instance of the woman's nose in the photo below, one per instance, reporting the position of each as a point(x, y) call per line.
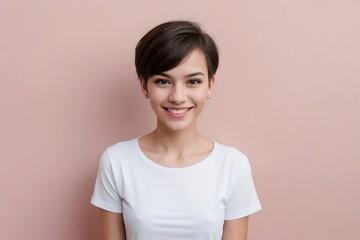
point(177, 95)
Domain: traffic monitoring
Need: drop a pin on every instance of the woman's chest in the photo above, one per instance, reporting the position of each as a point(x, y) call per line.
point(180, 207)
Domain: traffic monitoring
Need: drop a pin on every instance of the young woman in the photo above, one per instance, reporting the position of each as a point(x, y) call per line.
point(173, 183)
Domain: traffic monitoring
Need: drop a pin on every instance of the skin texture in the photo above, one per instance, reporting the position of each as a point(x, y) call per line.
point(112, 226)
point(235, 229)
point(186, 85)
point(176, 142)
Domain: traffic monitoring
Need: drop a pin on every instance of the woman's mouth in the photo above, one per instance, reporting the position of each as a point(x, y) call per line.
point(177, 112)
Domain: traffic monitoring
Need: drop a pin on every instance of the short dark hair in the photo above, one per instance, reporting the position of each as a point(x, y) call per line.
point(166, 45)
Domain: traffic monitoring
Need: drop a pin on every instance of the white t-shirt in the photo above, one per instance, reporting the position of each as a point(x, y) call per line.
point(159, 202)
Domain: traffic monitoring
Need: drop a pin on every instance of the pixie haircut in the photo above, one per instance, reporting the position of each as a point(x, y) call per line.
point(166, 45)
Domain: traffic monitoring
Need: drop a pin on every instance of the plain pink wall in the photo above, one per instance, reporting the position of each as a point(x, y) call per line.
point(287, 95)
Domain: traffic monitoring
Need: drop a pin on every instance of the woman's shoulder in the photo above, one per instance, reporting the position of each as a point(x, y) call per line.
point(230, 154)
point(125, 145)
point(229, 150)
point(121, 150)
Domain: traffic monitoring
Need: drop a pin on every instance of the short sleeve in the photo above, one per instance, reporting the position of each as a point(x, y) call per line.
point(106, 192)
point(243, 199)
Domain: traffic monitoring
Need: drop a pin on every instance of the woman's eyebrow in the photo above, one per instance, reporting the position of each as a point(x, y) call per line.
point(164, 75)
point(194, 74)
point(189, 75)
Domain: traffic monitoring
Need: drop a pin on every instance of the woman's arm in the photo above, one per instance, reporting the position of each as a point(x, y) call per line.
point(235, 229)
point(112, 225)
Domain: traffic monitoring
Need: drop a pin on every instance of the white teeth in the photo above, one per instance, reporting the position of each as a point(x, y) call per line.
point(177, 111)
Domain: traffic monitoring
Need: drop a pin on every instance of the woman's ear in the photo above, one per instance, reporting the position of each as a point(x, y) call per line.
point(211, 85)
point(143, 84)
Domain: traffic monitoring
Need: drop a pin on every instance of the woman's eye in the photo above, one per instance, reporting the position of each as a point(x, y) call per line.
point(162, 81)
point(194, 81)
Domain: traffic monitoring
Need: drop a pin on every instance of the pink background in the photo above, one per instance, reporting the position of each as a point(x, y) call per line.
point(287, 95)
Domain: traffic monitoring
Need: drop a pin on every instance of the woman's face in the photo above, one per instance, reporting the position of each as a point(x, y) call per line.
point(178, 96)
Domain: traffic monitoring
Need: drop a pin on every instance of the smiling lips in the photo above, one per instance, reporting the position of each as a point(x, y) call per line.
point(177, 112)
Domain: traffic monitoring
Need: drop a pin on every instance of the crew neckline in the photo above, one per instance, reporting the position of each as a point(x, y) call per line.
point(196, 165)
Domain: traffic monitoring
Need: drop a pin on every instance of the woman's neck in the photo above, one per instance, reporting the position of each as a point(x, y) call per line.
point(176, 141)
point(175, 148)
